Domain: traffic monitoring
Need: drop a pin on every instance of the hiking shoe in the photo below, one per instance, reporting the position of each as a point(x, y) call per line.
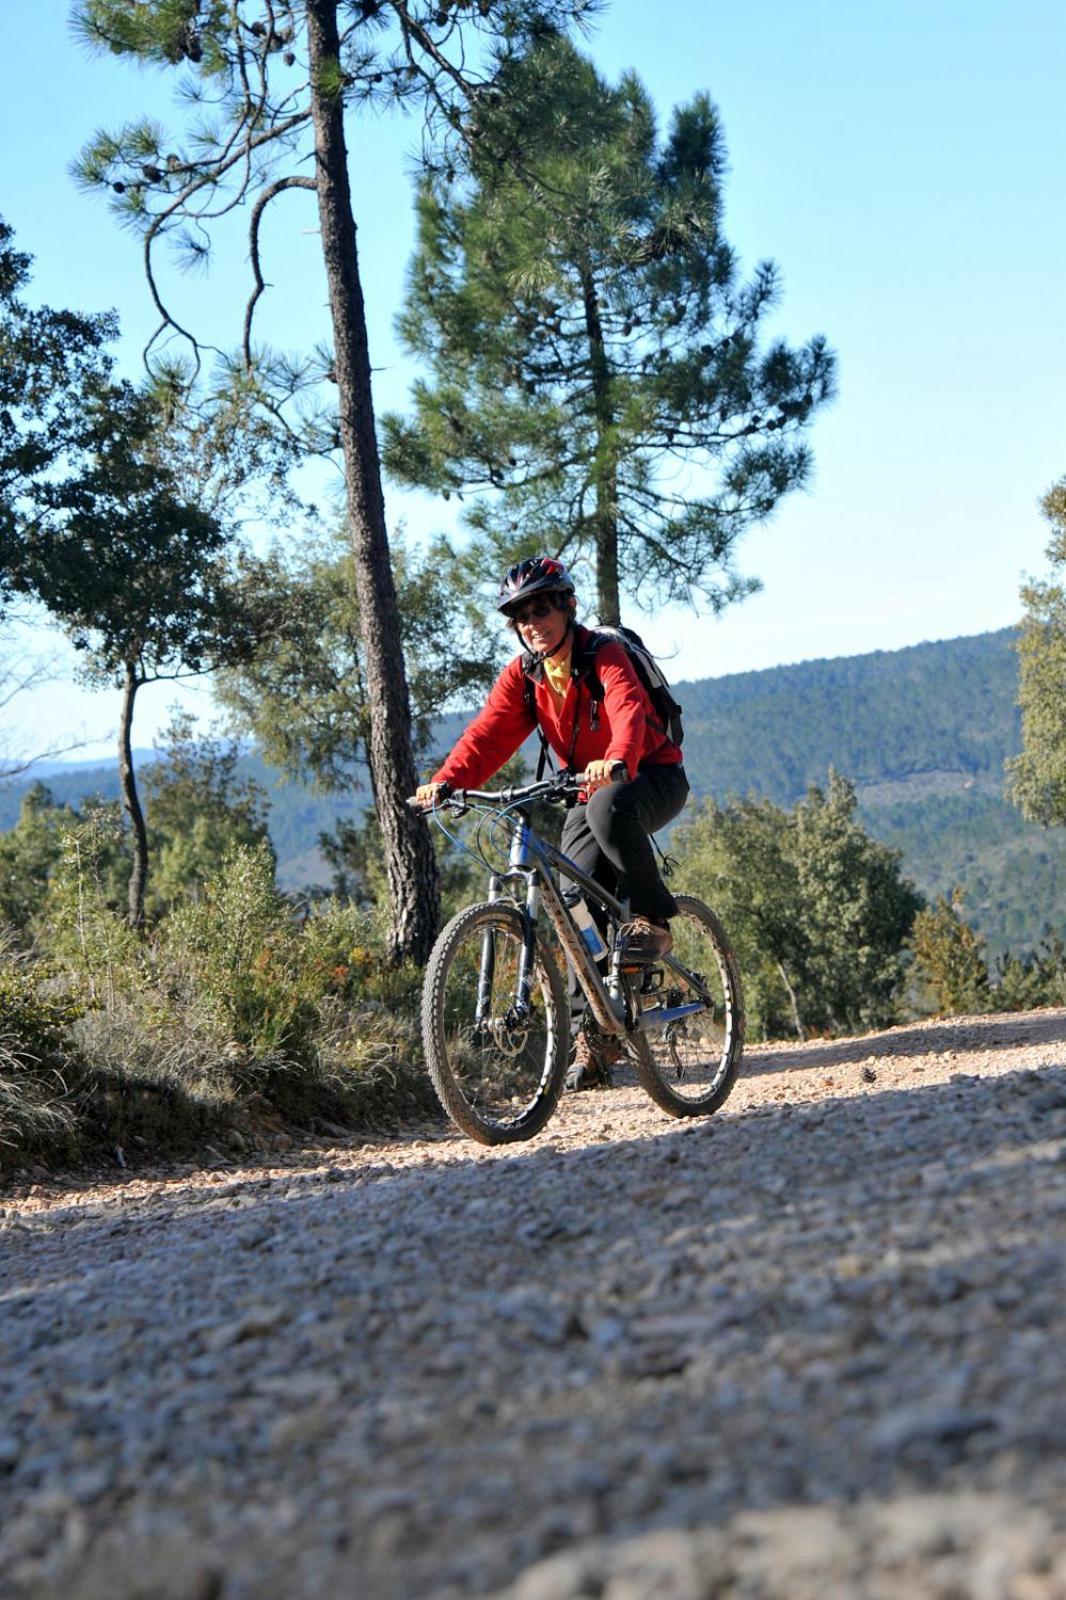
point(591, 1062)
point(643, 939)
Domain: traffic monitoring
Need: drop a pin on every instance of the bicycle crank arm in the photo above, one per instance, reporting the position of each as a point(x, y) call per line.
point(652, 1019)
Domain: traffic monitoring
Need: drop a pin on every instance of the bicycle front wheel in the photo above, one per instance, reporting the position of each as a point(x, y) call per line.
point(498, 1070)
point(689, 1065)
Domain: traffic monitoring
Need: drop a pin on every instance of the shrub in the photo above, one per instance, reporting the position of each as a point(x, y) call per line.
point(306, 1011)
point(33, 1026)
point(1038, 979)
point(237, 1010)
point(83, 928)
point(950, 957)
point(235, 952)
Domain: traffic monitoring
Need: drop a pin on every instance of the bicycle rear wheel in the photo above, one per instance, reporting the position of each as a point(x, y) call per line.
point(688, 1066)
point(498, 1079)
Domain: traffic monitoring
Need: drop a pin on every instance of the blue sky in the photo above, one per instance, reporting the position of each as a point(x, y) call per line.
point(903, 164)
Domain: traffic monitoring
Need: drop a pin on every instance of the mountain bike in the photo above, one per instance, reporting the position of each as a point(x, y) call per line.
point(495, 1012)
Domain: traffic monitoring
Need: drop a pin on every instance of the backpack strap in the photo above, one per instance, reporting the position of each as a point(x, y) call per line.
point(544, 760)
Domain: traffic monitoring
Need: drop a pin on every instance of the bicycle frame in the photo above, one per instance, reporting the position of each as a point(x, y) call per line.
point(531, 861)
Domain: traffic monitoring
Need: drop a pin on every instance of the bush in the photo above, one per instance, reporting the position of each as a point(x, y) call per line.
point(83, 930)
point(238, 1010)
point(33, 1026)
point(950, 957)
point(1022, 982)
point(304, 1011)
point(33, 1021)
point(234, 953)
point(817, 911)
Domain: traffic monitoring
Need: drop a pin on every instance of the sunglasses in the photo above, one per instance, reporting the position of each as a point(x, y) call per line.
point(536, 611)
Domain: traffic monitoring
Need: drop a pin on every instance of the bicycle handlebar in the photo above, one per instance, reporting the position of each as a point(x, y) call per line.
point(458, 799)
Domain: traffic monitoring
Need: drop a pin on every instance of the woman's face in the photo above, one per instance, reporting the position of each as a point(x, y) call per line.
point(542, 623)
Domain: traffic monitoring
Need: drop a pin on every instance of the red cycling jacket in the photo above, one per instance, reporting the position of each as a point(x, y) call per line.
point(621, 727)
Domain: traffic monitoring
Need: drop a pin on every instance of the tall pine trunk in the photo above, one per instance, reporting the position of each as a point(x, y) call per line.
point(410, 863)
point(127, 780)
point(606, 465)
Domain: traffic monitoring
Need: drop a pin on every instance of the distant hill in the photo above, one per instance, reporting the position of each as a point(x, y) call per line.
point(880, 718)
point(922, 733)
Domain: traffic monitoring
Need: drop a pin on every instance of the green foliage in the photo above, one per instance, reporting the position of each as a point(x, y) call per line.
point(248, 140)
point(1037, 777)
point(818, 911)
point(29, 855)
point(33, 1021)
point(302, 692)
point(51, 364)
point(234, 947)
point(82, 925)
point(267, 982)
point(736, 856)
point(1013, 871)
point(950, 957)
point(589, 339)
point(858, 907)
point(1021, 982)
point(922, 732)
point(127, 564)
point(200, 810)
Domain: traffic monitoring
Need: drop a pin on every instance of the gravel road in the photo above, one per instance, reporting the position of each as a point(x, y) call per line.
point(810, 1347)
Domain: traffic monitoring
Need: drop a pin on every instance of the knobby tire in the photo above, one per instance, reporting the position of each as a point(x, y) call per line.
point(661, 1065)
point(470, 1075)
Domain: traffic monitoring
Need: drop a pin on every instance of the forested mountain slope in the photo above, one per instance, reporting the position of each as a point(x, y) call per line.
point(922, 733)
point(891, 715)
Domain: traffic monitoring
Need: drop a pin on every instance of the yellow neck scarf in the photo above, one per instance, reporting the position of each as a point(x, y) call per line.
point(557, 669)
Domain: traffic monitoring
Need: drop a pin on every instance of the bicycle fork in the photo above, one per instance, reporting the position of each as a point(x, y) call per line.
point(519, 866)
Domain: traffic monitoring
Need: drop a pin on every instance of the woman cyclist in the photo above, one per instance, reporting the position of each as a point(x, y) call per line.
point(634, 779)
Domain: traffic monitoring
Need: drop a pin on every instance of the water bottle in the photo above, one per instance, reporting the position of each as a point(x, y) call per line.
point(588, 930)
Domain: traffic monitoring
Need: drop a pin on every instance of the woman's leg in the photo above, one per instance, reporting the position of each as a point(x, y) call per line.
point(580, 843)
point(621, 817)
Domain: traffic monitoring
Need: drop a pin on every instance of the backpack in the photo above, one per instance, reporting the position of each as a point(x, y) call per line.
point(648, 670)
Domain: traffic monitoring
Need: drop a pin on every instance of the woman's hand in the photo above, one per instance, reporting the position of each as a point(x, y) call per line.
point(598, 774)
point(428, 794)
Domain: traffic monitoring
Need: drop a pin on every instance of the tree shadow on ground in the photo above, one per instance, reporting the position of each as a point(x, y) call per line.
point(853, 1296)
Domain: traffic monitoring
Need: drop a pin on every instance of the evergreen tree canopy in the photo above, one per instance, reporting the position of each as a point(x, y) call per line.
point(134, 568)
point(302, 691)
point(272, 81)
point(51, 363)
point(597, 377)
point(818, 911)
point(1038, 775)
point(131, 567)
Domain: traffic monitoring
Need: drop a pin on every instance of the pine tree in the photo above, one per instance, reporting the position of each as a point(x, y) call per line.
point(1037, 777)
point(597, 376)
point(50, 362)
point(819, 912)
point(272, 81)
point(951, 957)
